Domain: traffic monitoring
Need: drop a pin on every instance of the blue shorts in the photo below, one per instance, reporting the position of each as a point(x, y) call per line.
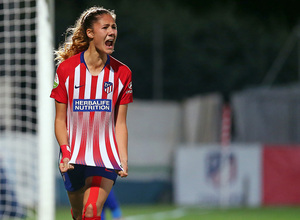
point(75, 179)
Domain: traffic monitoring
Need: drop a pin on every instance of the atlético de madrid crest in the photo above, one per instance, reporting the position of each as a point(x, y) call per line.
point(108, 87)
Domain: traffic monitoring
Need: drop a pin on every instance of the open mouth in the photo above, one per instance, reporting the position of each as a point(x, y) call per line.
point(109, 43)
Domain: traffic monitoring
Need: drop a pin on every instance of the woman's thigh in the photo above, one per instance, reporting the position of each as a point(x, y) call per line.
point(76, 201)
point(96, 192)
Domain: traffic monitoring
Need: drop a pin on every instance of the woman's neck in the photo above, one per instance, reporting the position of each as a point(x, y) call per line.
point(95, 61)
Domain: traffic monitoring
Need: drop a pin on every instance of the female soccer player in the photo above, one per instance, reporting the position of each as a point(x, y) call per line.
point(91, 92)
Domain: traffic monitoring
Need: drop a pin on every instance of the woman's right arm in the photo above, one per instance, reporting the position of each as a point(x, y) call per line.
point(61, 132)
point(61, 123)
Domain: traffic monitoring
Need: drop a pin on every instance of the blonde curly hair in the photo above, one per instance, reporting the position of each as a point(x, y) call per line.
point(76, 39)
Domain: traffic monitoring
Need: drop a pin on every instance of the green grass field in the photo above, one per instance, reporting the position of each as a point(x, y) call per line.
point(164, 212)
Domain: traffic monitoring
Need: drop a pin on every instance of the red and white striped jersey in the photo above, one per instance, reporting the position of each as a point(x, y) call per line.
point(91, 104)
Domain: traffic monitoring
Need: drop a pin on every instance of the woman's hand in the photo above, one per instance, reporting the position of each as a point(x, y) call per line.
point(124, 172)
point(64, 165)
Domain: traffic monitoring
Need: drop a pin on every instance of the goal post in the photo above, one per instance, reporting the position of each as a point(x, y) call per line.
point(45, 73)
point(27, 142)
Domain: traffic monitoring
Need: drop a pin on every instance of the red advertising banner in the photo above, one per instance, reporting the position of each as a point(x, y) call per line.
point(281, 175)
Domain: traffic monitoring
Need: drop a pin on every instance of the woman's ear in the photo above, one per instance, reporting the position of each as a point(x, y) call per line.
point(90, 33)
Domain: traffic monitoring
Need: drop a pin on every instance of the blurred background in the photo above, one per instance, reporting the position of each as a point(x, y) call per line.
point(178, 49)
point(216, 114)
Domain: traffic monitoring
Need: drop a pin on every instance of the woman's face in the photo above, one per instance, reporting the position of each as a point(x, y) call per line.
point(104, 34)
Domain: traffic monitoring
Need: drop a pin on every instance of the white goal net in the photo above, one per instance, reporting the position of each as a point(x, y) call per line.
point(21, 89)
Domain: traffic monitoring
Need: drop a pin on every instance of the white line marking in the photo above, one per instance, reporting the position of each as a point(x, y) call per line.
point(172, 214)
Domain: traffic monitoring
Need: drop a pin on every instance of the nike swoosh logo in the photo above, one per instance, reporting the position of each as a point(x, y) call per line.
point(108, 170)
point(77, 87)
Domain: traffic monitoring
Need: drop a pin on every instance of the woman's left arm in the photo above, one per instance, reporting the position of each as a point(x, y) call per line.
point(122, 138)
